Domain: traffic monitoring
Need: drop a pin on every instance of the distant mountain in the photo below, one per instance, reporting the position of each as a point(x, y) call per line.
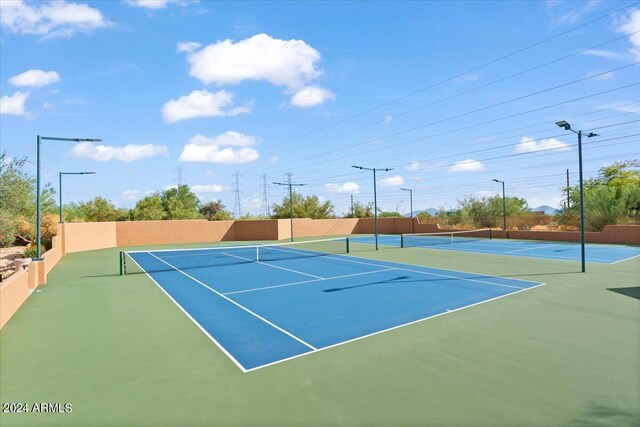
point(548, 210)
point(432, 212)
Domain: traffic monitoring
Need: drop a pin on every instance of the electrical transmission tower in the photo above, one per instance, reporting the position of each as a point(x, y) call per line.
point(264, 209)
point(178, 180)
point(237, 208)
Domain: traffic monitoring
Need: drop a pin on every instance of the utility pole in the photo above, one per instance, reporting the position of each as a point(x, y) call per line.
point(264, 209)
point(290, 185)
point(236, 193)
point(568, 195)
point(352, 212)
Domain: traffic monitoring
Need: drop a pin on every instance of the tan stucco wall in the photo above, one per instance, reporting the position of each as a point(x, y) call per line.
point(86, 236)
point(13, 292)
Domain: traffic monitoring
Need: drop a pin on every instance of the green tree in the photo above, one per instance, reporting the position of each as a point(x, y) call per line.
point(180, 203)
point(18, 201)
point(214, 211)
point(100, 210)
point(303, 207)
point(611, 198)
point(488, 211)
point(389, 215)
point(360, 211)
point(72, 212)
point(620, 175)
point(149, 208)
point(423, 215)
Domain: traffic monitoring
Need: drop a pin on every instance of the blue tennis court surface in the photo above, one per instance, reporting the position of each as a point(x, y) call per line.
point(264, 312)
point(566, 251)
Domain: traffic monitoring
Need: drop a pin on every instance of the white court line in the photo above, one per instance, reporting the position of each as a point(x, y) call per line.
point(224, 350)
point(532, 248)
point(237, 304)
point(308, 281)
point(626, 259)
point(275, 266)
point(392, 328)
point(436, 274)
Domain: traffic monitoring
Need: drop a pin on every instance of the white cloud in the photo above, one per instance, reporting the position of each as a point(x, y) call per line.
point(599, 75)
point(392, 181)
point(529, 145)
point(154, 4)
point(50, 19)
point(135, 194)
point(289, 63)
point(347, 187)
point(387, 119)
point(574, 15)
point(14, 104)
point(207, 188)
point(274, 159)
point(601, 53)
point(35, 78)
point(412, 167)
point(469, 78)
point(631, 26)
point(128, 153)
point(624, 107)
point(311, 96)
point(188, 46)
point(468, 165)
point(148, 4)
point(218, 149)
point(201, 103)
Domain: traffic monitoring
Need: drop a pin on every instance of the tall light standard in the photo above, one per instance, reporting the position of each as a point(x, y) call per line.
point(38, 213)
point(290, 185)
point(375, 198)
point(60, 220)
point(564, 124)
point(504, 208)
point(410, 198)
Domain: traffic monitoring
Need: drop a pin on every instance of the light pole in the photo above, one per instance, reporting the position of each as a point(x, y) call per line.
point(290, 185)
point(38, 213)
point(375, 199)
point(410, 198)
point(504, 208)
point(564, 124)
point(60, 220)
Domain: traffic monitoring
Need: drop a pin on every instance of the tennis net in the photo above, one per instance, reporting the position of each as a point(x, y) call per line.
point(443, 238)
point(148, 261)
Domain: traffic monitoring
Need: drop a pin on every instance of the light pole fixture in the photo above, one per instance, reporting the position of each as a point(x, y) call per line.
point(38, 213)
point(290, 185)
point(410, 199)
point(504, 208)
point(60, 220)
point(564, 124)
point(375, 198)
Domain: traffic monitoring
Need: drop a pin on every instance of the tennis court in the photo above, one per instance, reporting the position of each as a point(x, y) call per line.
point(479, 241)
point(269, 303)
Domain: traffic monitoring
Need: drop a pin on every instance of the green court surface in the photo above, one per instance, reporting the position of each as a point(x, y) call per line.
point(122, 354)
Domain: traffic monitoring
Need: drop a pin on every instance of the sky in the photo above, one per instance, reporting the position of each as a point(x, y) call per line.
point(226, 96)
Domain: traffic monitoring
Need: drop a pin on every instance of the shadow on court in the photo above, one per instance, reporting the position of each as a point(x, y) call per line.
point(633, 292)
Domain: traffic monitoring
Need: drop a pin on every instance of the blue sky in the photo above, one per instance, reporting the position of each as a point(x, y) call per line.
point(448, 94)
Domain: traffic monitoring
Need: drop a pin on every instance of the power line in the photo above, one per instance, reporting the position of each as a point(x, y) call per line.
point(493, 61)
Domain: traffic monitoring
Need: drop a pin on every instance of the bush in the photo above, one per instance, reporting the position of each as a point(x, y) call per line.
point(30, 252)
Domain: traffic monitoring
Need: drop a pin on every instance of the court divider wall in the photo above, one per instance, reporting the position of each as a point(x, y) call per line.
point(77, 237)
